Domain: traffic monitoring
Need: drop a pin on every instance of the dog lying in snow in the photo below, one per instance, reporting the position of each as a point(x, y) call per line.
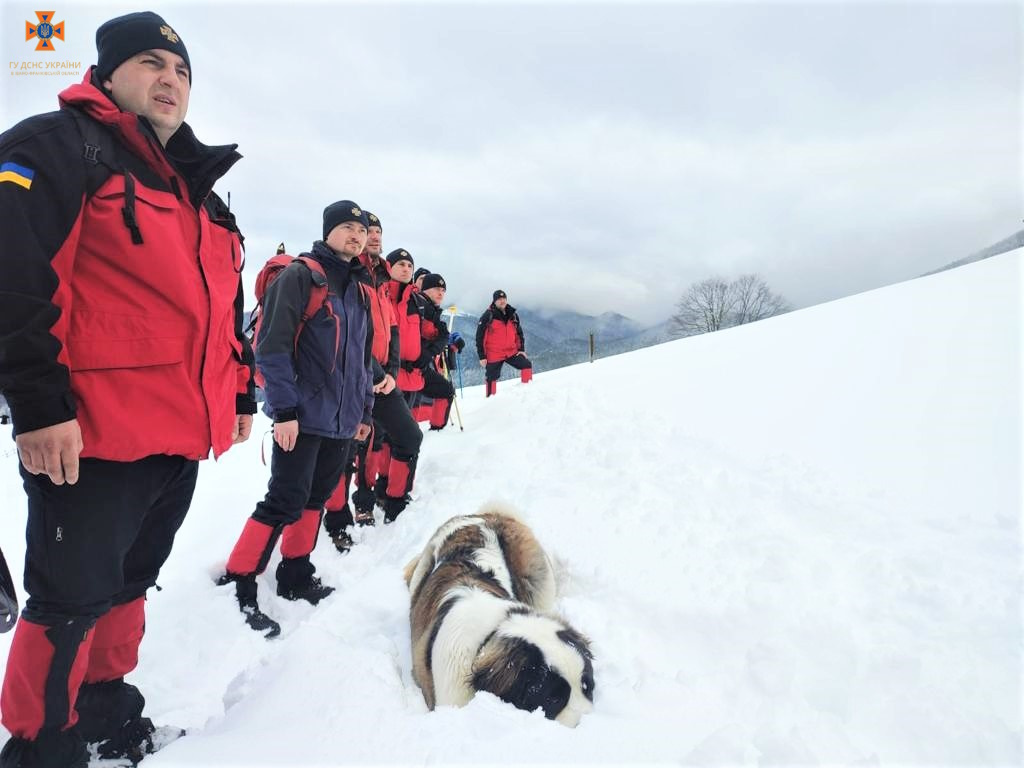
point(482, 591)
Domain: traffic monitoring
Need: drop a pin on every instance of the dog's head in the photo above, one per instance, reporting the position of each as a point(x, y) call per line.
point(536, 661)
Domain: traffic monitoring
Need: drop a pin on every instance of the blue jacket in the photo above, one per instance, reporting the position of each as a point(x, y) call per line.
point(324, 378)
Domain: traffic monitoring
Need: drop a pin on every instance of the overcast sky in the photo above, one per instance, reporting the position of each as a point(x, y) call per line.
point(605, 156)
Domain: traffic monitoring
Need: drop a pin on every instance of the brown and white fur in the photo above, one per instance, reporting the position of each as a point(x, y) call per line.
point(482, 591)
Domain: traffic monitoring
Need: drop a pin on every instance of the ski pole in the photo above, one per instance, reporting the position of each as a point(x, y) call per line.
point(455, 400)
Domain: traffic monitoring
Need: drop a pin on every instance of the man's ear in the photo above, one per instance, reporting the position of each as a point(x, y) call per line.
point(108, 84)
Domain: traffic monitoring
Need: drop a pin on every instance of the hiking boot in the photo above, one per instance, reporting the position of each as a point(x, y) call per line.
point(245, 594)
point(342, 541)
point(110, 716)
point(295, 581)
point(106, 708)
point(364, 517)
point(380, 489)
point(393, 507)
point(313, 591)
point(50, 749)
point(338, 519)
point(131, 742)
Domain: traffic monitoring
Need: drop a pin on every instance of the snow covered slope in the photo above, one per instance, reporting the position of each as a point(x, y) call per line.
point(792, 542)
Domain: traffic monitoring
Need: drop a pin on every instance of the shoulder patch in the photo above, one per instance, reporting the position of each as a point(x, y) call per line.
point(17, 174)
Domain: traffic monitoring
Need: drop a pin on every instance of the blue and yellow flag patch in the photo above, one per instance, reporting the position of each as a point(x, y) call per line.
point(17, 174)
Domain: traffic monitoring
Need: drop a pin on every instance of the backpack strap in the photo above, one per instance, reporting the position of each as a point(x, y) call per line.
point(99, 150)
point(318, 294)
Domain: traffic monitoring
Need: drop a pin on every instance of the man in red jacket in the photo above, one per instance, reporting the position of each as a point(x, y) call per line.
point(500, 340)
point(124, 363)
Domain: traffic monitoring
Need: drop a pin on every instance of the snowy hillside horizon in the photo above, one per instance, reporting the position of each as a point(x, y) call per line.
point(795, 542)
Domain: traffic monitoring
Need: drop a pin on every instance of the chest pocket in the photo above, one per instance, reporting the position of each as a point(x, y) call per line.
point(137, 208)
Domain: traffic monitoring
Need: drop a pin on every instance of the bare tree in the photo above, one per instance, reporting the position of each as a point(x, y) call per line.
point(755, 300)
point(714, 304)
point(705, 307)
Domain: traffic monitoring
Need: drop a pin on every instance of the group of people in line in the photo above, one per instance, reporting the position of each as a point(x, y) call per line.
point(125, 361)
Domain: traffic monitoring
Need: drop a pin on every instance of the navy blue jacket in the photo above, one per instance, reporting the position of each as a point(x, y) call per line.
point(325, 379)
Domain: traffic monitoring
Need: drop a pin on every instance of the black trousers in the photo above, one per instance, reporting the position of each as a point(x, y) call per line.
point(102, 541)
point(391, 417)
point(493, 371)
point(302, 478)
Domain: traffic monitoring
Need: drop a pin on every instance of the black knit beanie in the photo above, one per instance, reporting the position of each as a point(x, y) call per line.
point(374, 221)
point(420, 272)
point(433, 280)
point(119, 39)
point(498, 294)
point(397, 255)
point(340, 212)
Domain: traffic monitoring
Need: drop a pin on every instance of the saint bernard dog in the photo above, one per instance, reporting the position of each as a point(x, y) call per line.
point(482, 592)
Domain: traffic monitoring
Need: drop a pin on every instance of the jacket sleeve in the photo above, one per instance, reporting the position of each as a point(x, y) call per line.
point(42, 193)
point(434, 347)
point(245, 398)
point(283, 304)
point(519, 333)
point(394, 352)
point(481, 331)
point(372, 366)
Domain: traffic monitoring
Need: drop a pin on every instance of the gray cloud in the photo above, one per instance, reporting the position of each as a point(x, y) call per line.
point(603, 156)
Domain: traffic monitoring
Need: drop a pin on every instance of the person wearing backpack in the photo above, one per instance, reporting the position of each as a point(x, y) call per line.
point(393, 425)
point(500, 340)
point(124, 364)
point(318, 382)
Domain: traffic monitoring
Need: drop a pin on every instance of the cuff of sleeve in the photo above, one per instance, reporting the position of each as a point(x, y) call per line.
point(289, 414)
point(245, 404)
point(29, 415)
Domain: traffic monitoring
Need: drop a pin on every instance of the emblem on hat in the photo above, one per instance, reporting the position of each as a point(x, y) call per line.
point(169, 33)
point(373, 218)
point(356, 212)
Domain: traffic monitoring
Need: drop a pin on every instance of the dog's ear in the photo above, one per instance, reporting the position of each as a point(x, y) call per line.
point(410, 568)
point(577, 640)
point(497, 665)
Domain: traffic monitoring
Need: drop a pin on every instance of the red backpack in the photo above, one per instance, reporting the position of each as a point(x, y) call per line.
point(274, 267)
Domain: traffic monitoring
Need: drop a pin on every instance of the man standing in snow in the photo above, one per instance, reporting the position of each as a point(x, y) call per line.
point(319, 391)
point(123, 360)
point(435, 343)
point(393, 425)
point(500, 340)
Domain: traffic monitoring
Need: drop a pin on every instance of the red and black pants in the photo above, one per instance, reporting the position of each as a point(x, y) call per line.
point(93, 549)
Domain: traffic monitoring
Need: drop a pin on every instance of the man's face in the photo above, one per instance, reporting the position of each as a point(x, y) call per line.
point(374, 238)
point(435, 294)
point(155, 85)
point(501, 303)
point(348, 239)
point(401, 270)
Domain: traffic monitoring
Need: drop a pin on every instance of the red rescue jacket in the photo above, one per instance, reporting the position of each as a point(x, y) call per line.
point(499, 335)
point(130, 322)
point(406, 300)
